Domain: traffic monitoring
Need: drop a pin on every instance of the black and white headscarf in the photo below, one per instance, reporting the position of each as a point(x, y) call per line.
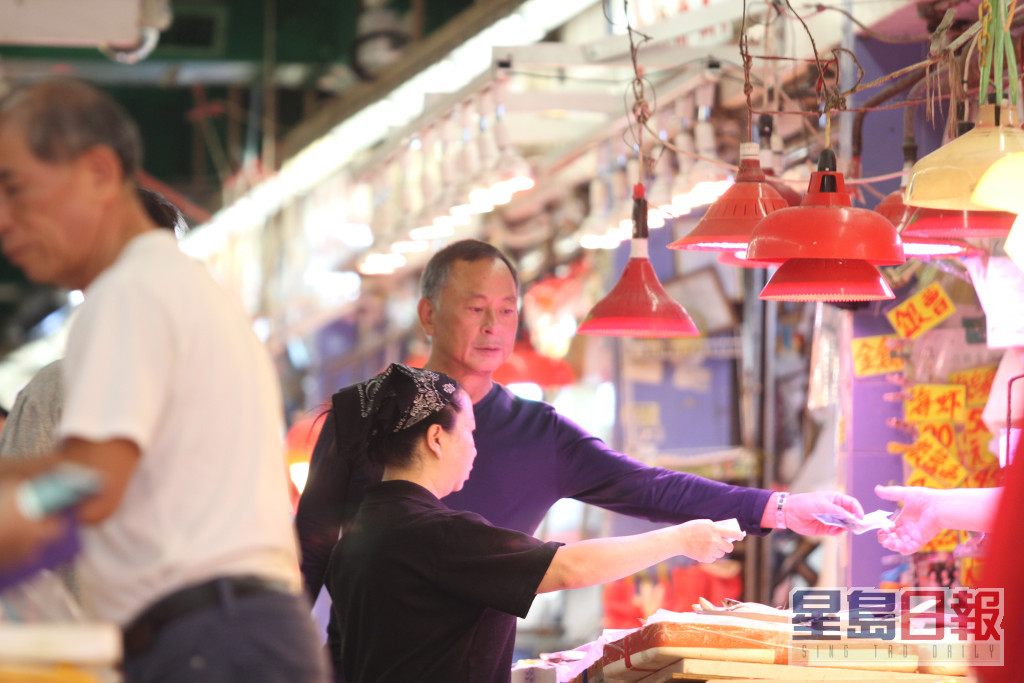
point(401, 397)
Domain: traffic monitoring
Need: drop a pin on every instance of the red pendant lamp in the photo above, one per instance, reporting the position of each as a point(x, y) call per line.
point(894, 210)
point(727, 224)
point(638, 306)
point(785, 190)
point(528, 365)
point(948, 223)
point(738, 259)
point(828, 248)
point(922, 248)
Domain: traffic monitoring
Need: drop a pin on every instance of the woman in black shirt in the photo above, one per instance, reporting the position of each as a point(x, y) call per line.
point(423, 592)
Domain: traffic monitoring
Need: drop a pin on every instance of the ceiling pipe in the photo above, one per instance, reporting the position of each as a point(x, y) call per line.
point(155, 16)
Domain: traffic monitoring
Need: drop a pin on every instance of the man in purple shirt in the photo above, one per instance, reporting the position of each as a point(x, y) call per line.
point(529, 456)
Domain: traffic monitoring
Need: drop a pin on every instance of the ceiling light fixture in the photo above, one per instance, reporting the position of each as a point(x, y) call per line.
point(638, 306)
point(948, 223)
point(999, 188)
point(728, 223)
point(828, 248)
point(947, 178)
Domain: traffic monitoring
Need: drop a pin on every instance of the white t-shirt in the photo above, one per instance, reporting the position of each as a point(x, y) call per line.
point(162, 355)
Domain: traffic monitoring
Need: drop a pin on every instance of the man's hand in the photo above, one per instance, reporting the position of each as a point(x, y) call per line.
point(800, 509)
point(22, 539)
point(917, 524)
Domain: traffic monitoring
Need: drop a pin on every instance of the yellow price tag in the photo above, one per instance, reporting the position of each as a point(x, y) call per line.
point(978, 383)
point(945, 541)
point(921, 312)
point(919, 477)
point(929, 455)
point(872, 356)
point(935, 403)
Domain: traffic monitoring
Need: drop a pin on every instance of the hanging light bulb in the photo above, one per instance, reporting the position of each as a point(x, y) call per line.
point(946, 178)
point(638, 306)
point(771, 160)
point(659, 197)
point(428, 213)
point(685, 150)
point(708, 179)
point(471, 197)
point(727, 224)
point(594, 228)
point(828, 248)
point(512, 173)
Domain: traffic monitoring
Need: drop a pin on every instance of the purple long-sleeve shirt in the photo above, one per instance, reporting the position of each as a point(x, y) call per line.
point(528, 457)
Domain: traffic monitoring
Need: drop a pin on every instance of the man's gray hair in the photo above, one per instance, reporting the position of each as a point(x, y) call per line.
point(435, 274)
point(62, 118)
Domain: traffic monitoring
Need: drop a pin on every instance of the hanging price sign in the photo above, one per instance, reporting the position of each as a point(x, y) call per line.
point(936, 403)
point(921, 312)
point(978, 383)
point(872, 356)
point(931, 457)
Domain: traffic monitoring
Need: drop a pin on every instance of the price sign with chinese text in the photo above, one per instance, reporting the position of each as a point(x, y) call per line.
point(872, 356)
point(930, 456)
point(919, 477)
point(936, 402)
point(945, 541)
point(921, 312)
point(977, 381)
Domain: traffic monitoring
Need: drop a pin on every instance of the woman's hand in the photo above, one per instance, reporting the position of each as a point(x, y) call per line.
point(706, 541)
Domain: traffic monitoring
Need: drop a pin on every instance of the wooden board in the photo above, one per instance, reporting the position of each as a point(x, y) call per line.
point(706, 669)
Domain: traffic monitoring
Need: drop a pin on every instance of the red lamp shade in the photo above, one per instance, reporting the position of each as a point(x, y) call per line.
point(826, 226)
point(894, 210)
point(808, 279)
point(939, 223)
point(899, 214)
point(828, 248)
point(738, 259)
point(927, 248)
point(728, 222)
point(638, 306)
point(527, 365)
point(785, 190)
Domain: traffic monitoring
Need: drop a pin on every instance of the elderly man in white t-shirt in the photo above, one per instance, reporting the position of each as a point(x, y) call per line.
point(169, 396)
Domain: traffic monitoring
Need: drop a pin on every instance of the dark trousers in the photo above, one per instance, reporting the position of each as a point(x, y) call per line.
point(265, 637)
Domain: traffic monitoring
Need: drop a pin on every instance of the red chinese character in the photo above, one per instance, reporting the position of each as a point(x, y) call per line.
point(949, 403)
point(978, 613)
point(919, 405)
point(875, 355)
point(909, 321)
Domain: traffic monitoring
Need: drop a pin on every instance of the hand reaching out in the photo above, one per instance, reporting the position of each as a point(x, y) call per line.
point(801, 507)
point(706, 541)
point(917, 524)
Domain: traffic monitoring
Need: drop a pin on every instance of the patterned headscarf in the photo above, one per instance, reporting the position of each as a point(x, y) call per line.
point(396, 399)
point(401, 397)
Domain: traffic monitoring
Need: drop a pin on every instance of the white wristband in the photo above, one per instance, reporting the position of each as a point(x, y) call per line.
point(780, 510)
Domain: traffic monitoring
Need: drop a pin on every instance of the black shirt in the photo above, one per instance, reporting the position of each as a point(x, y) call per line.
point(426, 593)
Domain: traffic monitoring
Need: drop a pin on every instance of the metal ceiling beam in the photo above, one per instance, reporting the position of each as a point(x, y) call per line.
point(416, 58)
point(685, 29)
